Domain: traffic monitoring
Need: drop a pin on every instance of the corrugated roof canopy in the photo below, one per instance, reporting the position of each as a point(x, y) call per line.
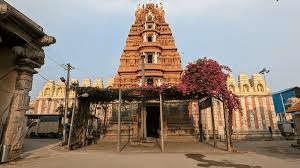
point(294, 108)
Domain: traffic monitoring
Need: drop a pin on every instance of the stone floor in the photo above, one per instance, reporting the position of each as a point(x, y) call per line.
point(250, 154)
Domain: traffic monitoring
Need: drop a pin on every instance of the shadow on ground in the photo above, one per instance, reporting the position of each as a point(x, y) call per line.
point(280, 149)
point(209, 163)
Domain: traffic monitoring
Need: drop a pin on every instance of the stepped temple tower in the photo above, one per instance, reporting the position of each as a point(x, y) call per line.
point(150, 38)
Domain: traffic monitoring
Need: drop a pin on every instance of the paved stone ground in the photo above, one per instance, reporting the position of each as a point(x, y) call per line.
point(36, 143)
point(251, 154)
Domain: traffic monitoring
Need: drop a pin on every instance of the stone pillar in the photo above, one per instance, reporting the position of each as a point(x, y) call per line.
point(15, 130)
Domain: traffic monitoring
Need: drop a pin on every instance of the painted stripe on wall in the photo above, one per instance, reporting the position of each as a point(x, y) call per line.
point(240, 111)
point(234, 119)
point(270, 112)
point(39, 106)
point(244, 118)
point(262, 112)
point(247, 111)
point(55, 107)
point(36, 107)
point(255, 112)
point(42, 107)
point(259, 119)
point(263, 98)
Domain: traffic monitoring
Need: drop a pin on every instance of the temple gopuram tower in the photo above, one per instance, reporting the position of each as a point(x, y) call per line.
point(150, 38)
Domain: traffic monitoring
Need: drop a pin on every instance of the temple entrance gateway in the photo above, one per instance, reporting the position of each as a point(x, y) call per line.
point(152, 121)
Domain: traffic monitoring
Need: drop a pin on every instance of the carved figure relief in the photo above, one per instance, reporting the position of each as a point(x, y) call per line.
point(19, 134)
point(154, 37)
point(145, 37)
point(139, 82)
point(155, 58)
point(158, 82)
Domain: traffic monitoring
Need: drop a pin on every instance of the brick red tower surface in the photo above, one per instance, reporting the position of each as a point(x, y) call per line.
point(150, 36)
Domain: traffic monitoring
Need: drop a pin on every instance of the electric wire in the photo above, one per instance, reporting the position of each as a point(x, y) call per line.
point(43, 77)
point(50, 53)
point(36, 41)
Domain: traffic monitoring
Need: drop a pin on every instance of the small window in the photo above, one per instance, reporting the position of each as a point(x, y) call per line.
point(149, 39)
point(150, 59)
point(150, 81)
point(149, 26)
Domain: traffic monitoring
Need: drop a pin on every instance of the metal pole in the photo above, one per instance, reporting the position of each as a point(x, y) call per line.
point(71, 126)
point(119, 122)
point(282, 105)
point(66, 103)
point(161, 123)
point(143, 69)
point(143, 118)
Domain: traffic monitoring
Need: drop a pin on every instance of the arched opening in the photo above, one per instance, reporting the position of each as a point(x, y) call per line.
point(231, 88)
point(149, 39)
point(150, 81)
point(245, 88)
point(260, 88)
point(150, 58)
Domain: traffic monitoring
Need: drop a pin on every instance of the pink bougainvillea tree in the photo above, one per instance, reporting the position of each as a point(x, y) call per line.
point(207, 76)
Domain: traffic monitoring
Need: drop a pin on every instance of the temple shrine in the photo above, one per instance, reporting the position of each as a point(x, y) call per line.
point(150, 39)
point(150, 57)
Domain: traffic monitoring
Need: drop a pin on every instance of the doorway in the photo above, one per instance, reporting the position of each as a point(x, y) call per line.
point(152, 121)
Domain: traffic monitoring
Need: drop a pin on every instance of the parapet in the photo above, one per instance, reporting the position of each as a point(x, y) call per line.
point(256, 85)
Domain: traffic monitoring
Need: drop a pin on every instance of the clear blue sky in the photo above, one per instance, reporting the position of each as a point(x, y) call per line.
point(246, 35)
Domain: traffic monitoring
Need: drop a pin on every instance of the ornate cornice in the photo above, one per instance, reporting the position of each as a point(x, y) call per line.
point(47, 40)
point(35, 55)
point(3, 9)
point(16, 22)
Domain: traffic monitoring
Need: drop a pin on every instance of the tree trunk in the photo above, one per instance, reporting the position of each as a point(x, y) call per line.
point(230, 127)
point(105, 113)
point(200, 122)
point(213, 121)
point(84, 131)
point(228, 137)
